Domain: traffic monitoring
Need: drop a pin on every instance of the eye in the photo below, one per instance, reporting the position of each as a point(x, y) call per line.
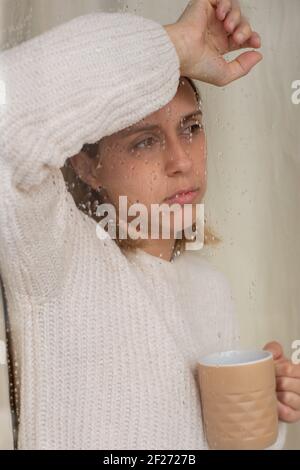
point(193, 128)
point(146, 143)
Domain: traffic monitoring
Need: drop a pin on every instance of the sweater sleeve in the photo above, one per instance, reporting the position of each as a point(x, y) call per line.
point(74, 84)
point(231, 331)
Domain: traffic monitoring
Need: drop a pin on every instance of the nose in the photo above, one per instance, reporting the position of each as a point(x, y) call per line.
point(178, 158)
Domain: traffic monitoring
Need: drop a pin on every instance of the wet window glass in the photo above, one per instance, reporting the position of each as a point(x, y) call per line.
point(149, 175)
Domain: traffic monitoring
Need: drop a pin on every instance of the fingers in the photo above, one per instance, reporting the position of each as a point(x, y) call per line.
point(287, 414)
point(288, 390)
point(287, 369)
point(287, 384)
point(240, 36)
point(242, 32)
point(290, 399)
point(233, 19)
point(276, 349)
point(237, 25)
point(253, 42)
point(225, 23)
point(223, 8)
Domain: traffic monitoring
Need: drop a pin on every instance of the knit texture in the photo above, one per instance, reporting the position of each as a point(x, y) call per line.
point(106, 345)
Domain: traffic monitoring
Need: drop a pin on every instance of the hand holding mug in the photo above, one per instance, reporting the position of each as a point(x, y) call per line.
point(287, 384)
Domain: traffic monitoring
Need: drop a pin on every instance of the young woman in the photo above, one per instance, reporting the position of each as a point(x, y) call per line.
point(106, 340)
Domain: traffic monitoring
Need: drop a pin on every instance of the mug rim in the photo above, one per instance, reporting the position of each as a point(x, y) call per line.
point(211, 360)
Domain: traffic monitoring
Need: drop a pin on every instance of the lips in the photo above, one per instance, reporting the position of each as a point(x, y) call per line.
point(181, 192)
point(183, 196)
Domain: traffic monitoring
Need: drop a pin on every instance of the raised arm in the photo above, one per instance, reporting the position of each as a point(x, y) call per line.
point(74, 84)
point(78, 82)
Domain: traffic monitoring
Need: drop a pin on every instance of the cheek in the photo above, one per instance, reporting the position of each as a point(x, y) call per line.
point(133, 178)
point(198, 148)
point(198, 154)
point(145, 183)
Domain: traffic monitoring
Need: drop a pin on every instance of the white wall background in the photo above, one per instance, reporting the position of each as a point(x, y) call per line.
point(253, 196)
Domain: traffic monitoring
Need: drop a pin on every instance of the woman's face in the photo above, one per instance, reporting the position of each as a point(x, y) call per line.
point(149, 165)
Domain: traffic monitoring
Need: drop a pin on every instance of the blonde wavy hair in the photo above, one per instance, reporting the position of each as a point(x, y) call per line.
point(88, 199)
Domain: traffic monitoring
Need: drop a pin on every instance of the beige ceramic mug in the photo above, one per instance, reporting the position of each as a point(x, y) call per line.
point(238, 399)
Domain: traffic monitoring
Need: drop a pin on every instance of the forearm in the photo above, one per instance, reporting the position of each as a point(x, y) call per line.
point(71, 85)
point(78, 82)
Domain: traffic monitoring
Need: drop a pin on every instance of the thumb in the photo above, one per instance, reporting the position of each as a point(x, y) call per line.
point(241, 65)
point(276, 349)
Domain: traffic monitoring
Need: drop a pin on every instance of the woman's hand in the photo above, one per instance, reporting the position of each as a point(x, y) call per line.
point(205, 31)
point(287, 384)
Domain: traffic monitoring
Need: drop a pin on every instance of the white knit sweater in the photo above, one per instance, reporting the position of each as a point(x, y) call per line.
point(106, 345)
